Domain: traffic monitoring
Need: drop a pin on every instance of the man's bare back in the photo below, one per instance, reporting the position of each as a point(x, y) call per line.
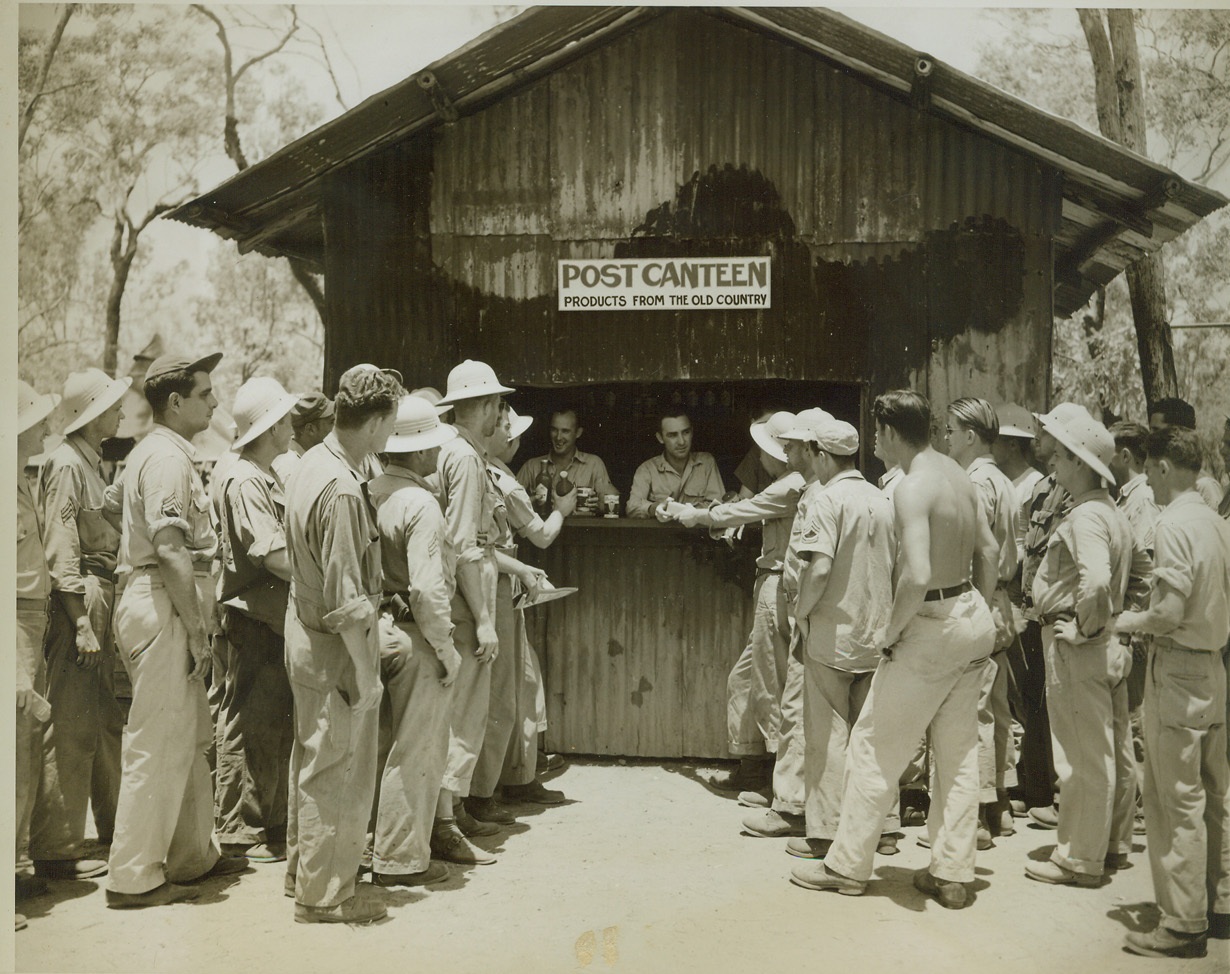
point(935, 487)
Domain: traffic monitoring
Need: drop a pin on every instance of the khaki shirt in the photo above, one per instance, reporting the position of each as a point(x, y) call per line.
point(792, 564)
point(1192, 555)
point(751, 472)
point(519, 509)
point(655, 480)
point(775, 506)
point(33, 580)
point(1022, 489)
point(892, 477)
point(850, 523)
point(584, 470)
point(284, 464)
point(1091, 559)
point(1047, 506)
point(1137, 503)
point(1210, 490)
point(162, 489)
point(1000, 507)
point(252, 526)
point(417, 559)
point(79, 539)
point(474, 512)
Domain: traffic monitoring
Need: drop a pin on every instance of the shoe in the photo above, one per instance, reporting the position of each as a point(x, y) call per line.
point(754, 799)
point(436, 872)
point(1116, 861)
point(914, 816)
point(548, 762)
point(225, 866)
point(449, 845)
point(358, 909)
point(534, 793)
point(488, 810)
point(470, 826)
point(1057, 875)
point(158, 896)
point(808, 848)
point(1164, 942)
point(365, 860)
point(19, 922)
point(1018, 808)
point(1047, 816)
point(752, 774)
point(771, 824)
point(984, 839)
point(951, 896)
point(1138, 825)
point(887, 846)
point(815, 875)
point(70, 869)
point(267, 852)
point(288, 886)
point(1219, 925)
point(27, 887)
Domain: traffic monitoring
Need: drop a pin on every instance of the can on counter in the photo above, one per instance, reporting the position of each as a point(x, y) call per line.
point(610, 505)
point(585, 500)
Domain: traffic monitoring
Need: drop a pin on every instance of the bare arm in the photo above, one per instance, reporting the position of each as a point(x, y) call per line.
point(986, 559)
point(914, 578)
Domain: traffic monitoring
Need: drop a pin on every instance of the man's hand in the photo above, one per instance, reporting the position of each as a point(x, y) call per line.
point(886, 641)
point(88, 650)
point(691, 516)
point(1068, 631)
point(488, 644)
point(198, 650)
point(369, 696)
point(566, 504)
point(451, 663)
point(533, 580)
point(659, 510)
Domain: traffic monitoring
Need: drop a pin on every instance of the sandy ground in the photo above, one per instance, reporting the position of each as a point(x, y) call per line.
point(645, 870)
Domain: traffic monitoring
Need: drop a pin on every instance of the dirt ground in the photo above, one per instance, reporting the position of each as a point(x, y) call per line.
point(645, 870)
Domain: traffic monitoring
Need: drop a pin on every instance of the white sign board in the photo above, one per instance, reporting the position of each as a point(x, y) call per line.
point(665, 284)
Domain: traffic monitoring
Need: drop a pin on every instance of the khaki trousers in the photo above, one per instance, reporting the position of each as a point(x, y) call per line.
point(1187, 786)
point(471, 700)
point(164, 818)
point(507, 671)
point(411, 773)
point(789, 789)
point(931, 681)
point(1086, 692)
point(82, 744)
point(754, 687)
point(31, 628)
point(995, 765)
point(521, 759)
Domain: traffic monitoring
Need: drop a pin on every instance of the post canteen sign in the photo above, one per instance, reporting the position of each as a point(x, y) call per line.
point(665, 284)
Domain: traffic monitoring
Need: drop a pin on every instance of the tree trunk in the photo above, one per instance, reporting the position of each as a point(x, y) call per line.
point(309, 284)
point(122, 255)
point(1119, 97)
point(53, 45)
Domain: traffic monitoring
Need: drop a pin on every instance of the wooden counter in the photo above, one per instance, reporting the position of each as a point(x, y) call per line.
point(635, 663)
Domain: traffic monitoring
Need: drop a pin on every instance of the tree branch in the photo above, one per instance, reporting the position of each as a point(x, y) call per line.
point(53, 45)
point(1106, 99)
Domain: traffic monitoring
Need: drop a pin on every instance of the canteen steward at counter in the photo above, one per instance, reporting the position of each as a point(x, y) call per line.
point(678, 473)
point(584, 469)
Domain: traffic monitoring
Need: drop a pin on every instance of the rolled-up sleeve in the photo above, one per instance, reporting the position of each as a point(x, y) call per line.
point(255, 519)
point(166, 486)
point(344, 543)
point(464, 480)
point(62, 491)
point(1173, 559)
point(1089, 543)
point(517, 503)
point(773, 502)
point(428, 589)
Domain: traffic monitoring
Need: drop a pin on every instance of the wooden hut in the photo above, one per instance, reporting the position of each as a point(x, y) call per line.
point(922, 229)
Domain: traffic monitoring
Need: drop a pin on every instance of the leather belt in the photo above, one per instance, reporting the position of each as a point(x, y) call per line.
point(939, 594)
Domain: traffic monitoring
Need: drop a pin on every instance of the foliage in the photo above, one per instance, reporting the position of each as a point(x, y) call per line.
point(1185, 57)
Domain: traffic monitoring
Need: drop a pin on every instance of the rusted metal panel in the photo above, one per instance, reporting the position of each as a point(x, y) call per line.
point(636, 662)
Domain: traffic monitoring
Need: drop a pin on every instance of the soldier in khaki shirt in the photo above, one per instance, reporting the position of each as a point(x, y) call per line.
point(33, 589)
point(81, 748)
point(164, 822)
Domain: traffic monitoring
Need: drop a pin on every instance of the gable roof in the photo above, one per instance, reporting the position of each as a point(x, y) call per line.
point(1118, 206)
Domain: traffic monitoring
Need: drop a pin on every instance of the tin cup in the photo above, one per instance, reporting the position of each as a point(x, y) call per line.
point(610, 505)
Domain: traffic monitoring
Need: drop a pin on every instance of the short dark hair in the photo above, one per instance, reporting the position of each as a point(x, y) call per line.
point(1130, 436)
point(158, 389)
point(1178, 445)
point(977, 415)
point(374, 393)
point(564, 411)
point(1175, 412)
point(906, 411)
point(672, 412)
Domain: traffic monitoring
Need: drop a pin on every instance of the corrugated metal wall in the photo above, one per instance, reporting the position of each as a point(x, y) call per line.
point(792, 157)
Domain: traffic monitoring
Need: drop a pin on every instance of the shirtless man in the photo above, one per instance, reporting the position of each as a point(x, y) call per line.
point(937, 641)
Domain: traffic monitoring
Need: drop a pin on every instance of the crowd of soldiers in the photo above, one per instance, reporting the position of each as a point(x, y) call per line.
point(970, 641)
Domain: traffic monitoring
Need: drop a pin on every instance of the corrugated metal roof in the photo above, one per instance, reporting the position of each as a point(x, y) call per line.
point(1118, 206)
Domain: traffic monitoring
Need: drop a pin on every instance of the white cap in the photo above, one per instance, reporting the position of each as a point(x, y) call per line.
point(89, 394)
point(417, 427)
point(807, 425)
point(259, 403)
point(470, 380)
